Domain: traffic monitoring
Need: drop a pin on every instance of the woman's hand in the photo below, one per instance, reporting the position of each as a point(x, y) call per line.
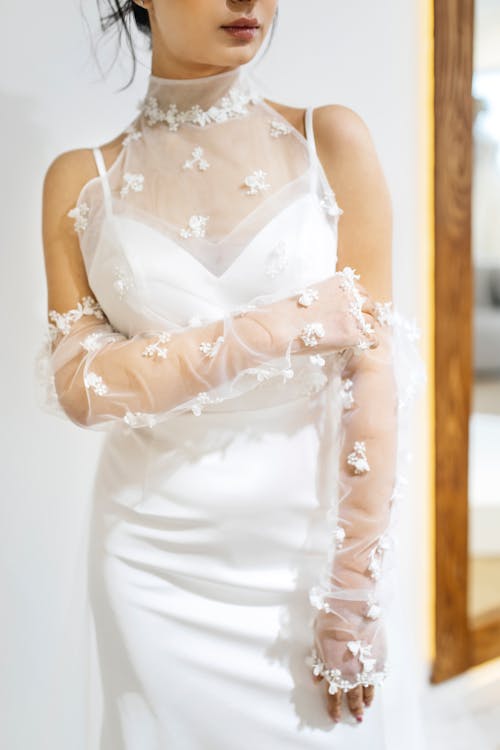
point(356, 699)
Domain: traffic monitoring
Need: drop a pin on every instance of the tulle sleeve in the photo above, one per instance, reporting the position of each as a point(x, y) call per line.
point(370, 397)
point(96, 375)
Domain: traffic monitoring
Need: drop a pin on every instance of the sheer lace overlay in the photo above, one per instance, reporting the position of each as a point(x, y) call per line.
point(197, 303)
point(372, 391)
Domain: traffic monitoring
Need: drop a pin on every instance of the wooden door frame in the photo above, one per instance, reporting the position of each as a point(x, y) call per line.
point(461, 642)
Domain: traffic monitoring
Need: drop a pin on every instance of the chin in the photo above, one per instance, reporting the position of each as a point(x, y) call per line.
point(239, 54)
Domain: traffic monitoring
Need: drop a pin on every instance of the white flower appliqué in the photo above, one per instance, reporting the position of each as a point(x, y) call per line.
point(383, 312)
point(197, 159)
point(363, 652)
point(339, 536)
point(123, 282)
point(311, 332)
point(210, 350)
point(133, 182)
point(373, 610)
point(355, 308)
point(96, 340)
point(277, 260)
point(307, 297)
point(376, 556)
point(278, 128)
point(346, 393)
point(256, 182)
point(334, 676)
point(154, 350)
point(196, 226)
point(317, 359)
point(357, 458)
point(139, 419)
point(202, 399)
point(329, 203)
point(63, 321)
point(80, 214)
point(132, 135)
point(95, 381)
point(231, 105)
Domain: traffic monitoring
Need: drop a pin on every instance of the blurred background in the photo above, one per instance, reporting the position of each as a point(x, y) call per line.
point(484, 475)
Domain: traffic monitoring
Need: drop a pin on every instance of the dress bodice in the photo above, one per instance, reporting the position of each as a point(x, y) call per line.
point(145, 225)
point(142, 275)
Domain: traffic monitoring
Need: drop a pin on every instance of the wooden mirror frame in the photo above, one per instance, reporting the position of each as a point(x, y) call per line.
point(460, 641)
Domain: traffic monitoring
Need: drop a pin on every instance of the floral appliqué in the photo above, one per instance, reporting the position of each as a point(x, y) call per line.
point(155, 350)
point(133, 182)
point(330, 205)
point(231, 105)
point(346, 393)
point(376, 556)
point(132, 135)
point(96, 383)
point(357, 458)
point(307, 297)
point(63, 321)
point(317, 359)
point(209, 349)
point(122, 281)
point(256, 182)
point(139, 419)
point(203, 399)
point(311, 332)
point(197, 159)
point(196, 226)
point(278, 128)
point(277, 260)
point(80, 214)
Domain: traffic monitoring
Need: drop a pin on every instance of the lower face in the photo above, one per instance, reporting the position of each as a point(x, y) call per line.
point(200, 31)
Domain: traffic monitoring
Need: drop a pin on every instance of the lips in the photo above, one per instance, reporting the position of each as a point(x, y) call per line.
point(247, 23)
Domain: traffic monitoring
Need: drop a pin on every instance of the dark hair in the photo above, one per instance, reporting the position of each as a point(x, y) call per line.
point(118, 15)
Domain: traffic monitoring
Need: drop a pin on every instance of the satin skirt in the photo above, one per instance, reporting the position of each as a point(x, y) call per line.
point(206, 535)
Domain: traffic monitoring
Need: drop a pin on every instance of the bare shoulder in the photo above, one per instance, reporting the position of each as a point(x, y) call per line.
point(353, 168)
point(71, 170)
point(337, 126)
point(63, 181)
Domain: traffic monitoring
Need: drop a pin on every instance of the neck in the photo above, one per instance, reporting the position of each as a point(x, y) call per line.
point(203, 91)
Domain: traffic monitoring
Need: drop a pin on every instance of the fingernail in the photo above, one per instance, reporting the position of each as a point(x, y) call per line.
point(359, 718)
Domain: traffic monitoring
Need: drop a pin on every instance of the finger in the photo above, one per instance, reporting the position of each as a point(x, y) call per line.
point(334, 704)
point(355, 701)
point(316, 677)
point(368, 693)
point(368, 306)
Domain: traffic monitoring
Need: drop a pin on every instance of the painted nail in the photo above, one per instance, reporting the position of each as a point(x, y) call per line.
point(359, 718)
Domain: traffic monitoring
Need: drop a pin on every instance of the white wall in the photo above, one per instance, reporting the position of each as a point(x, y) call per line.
point(362, 54)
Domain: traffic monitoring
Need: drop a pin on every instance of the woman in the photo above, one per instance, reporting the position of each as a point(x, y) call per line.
point(250, 391)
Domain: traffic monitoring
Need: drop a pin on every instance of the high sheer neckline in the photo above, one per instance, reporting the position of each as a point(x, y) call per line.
point(198, 101)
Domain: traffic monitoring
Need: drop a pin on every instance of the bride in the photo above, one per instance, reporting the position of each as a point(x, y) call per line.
point(220, 305)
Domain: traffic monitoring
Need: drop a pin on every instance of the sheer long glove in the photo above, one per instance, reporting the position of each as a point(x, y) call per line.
point(97, 375)
point(349, 644)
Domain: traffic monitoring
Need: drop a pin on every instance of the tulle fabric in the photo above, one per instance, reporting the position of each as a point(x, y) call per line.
point(96, 375)
point(371, 395)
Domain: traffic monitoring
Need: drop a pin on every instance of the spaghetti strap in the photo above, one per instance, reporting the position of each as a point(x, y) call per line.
point(310, 131)
point(101, 168)
point(313, 154)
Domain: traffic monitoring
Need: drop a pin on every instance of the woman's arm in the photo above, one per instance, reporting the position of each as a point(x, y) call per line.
point(101, 375)
point(350, 649)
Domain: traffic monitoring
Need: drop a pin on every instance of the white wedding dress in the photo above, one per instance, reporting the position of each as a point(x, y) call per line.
point(216, 500)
